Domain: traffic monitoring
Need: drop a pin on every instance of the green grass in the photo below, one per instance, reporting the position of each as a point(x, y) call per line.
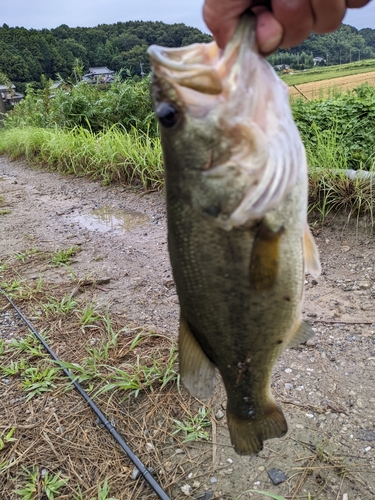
point(114, 155)
point(329, 72)
point(193, 426)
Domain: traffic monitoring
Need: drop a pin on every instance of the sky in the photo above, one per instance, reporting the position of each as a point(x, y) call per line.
point(88, 13)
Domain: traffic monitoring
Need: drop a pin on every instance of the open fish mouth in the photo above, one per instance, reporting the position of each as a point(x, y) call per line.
point(206, 68)
point(235, 93)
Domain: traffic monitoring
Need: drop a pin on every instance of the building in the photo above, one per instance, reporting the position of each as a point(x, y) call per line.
point(319, 61)
point(99, 75)
point(9, 95)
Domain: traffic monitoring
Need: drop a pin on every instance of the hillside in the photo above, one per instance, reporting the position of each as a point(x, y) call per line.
point(27, 54)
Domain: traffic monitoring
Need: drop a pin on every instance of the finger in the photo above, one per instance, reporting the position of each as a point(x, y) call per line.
point(297, 19)
point(356, 4)
point(269, 31)
point(328, 14)
point(222, 17)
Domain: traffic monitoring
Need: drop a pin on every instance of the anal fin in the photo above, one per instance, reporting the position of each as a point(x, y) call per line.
point(196, 370)
point(303, 333)
point(311, 253)
point(247, 436)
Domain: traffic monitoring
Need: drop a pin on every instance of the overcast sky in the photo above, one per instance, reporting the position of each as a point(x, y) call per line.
point(87, 13)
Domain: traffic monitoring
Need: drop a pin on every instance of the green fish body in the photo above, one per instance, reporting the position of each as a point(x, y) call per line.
point(239, 243)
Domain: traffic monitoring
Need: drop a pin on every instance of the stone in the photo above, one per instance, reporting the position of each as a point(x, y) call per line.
point(213, 480)
point(136, 473)
point(205, 496)
point(277, 476)
point(186, 489)
point(219, 415)
point(366, 435)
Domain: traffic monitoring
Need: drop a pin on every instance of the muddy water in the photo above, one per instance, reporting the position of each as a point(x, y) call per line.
point(106, 218)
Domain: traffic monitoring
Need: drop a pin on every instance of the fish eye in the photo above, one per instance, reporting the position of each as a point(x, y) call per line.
point(168, 114)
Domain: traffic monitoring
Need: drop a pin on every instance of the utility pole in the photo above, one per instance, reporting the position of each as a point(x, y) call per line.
point(142, 72)
point(359, 54)
point(327, 58)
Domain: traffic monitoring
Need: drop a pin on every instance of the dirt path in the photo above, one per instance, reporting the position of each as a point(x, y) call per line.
point(324, 88)
point(326, 387)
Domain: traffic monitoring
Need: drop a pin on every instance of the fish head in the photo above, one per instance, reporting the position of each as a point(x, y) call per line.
point(231, 148)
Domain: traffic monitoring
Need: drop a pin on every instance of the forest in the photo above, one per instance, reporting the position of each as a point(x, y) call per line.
point(25, 55)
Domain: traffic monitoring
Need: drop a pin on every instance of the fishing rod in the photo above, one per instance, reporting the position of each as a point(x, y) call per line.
point(133, 457)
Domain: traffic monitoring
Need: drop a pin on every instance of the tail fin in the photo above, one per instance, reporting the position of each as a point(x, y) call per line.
point(247, 436)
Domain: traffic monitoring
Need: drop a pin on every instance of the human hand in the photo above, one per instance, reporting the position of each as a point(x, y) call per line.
point(289, 23)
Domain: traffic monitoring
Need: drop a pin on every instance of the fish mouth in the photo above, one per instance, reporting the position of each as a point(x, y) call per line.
point(205, 68)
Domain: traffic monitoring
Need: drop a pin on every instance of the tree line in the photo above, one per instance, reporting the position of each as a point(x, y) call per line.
point(25, 55)
point(345, 45)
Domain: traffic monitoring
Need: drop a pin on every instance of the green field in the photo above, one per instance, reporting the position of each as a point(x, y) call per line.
point(328, 72)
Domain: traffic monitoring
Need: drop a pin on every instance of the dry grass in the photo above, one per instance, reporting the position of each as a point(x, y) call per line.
point(56, 431)
point(326, 88)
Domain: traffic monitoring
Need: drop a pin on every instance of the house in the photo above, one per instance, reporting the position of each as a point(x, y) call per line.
point(9, 94)
point(280, 67)
point(319, 61)
point(99, 75)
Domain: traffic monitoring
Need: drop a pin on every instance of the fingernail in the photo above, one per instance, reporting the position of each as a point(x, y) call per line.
point(270, 44)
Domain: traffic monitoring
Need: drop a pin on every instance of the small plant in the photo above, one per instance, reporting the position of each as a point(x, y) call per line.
point(48, 486)
point(266, 494)
point(5, 211)
point(27, 254)
point(103, 492)
point(64, 257)
point(29, 344)
point(193, 425)
point(30, 489)
point(88, 316)
point(39, 284)
point(14, 368)
point(52, 484)
point(11, 287)
point(37, 382)
point(2, 346)
point(7, 438)
point(56, 306)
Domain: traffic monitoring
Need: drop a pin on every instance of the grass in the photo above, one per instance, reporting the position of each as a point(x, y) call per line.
point(329, 72)
point(193, 426)
point(38, 483)
point(331, 190)
point(135, 368)
point(113, 155)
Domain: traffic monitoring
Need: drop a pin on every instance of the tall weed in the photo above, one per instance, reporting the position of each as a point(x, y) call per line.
point(130, 157)
point(88, 106)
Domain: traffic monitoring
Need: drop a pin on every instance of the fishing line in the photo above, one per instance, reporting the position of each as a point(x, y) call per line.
point(136, 461)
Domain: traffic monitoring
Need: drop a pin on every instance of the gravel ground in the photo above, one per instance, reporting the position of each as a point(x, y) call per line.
point(325, 387)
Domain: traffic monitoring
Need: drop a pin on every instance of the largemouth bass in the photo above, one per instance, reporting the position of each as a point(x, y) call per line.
point(239, 243)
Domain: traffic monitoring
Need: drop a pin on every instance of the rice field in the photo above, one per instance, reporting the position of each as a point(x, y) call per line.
point(326, 88)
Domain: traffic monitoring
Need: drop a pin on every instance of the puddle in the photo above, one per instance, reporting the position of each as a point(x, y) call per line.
point(106, 218)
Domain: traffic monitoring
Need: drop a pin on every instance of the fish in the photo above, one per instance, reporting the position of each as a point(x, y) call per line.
point(236, 187)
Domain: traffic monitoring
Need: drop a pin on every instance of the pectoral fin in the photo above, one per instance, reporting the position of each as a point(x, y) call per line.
point(264, 263)
point(312, 262)
point(196, 370)
point(303, 334)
